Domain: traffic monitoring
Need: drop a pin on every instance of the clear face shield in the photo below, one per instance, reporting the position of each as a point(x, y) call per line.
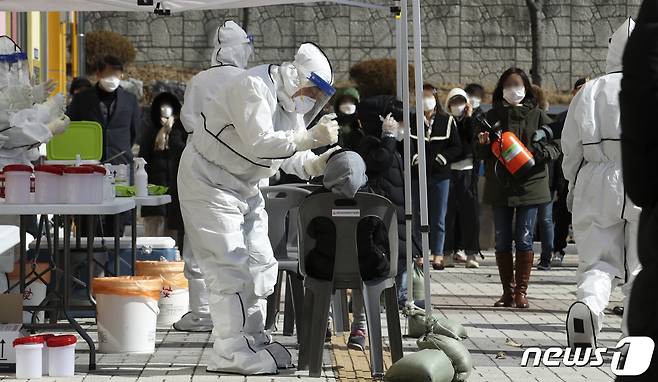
point(320, 92)
point(14, 68)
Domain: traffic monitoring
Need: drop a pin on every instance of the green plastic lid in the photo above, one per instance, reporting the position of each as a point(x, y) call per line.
point(81, 137)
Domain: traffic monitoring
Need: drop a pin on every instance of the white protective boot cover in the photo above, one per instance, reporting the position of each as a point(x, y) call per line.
point(582, 326)
point(234, 350)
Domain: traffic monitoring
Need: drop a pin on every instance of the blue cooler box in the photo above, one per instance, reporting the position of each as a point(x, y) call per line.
point(148, 249)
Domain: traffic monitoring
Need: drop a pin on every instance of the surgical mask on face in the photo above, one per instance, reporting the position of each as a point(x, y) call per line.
point(110, 84)
point(475, 101)
point(303, 104)
point(347, 108)
point(166, 111)
point(514, 95)
point(429, 103)
point(457, 110)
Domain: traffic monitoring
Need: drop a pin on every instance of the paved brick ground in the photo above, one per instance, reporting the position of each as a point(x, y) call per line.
point(464, 295)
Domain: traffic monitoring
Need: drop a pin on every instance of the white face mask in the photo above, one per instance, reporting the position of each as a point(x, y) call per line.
point(303, 104)
point(457, 110)
point(110, 84)
point(429, 103)
point(514, 95)
point(347, 108)
point(475, 101)
point(166, 111)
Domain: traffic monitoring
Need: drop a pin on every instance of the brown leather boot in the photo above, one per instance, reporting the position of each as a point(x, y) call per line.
point(522, 267)
point(505, 264)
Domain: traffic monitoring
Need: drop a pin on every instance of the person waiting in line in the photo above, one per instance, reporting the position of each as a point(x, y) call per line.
point(79, 84)
point(345, 105)
point(545, 225)
point(381, 151)
point(475, 95)
point(118, 113)
point(442, 148)
point(345, 175)
point(515, 200)
point(161, 146)
point(561, 214)
point(462, 215)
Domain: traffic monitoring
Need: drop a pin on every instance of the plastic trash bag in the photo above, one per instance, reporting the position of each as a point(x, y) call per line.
point(454, 349)
point(424, 366)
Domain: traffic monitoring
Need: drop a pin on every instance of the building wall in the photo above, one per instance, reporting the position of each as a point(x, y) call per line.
point(464, 40)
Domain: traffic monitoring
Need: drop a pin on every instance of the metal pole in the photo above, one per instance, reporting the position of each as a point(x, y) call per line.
point(82, 60)
point(398, 52)
point(422, 175)
point(408, 206)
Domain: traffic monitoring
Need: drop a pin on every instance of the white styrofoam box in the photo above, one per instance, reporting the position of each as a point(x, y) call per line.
point(8, 333)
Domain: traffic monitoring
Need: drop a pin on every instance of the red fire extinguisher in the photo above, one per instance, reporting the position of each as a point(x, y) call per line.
point(509, 150)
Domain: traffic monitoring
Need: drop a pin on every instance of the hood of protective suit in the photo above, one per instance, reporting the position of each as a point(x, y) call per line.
point(616, 46)
point(455, 92)
point(294, 75)
point(232, 46)
point(345, 174)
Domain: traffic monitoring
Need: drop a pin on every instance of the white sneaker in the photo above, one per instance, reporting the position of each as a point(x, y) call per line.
point(471, 262)
point(557, 258)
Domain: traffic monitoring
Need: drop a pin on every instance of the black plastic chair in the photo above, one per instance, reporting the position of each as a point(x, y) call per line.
point(281, 204)
point(346, 215)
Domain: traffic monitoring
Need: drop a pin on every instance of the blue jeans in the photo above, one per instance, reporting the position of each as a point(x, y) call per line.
point(521, 234)
point(437, 204)
point(546, 230)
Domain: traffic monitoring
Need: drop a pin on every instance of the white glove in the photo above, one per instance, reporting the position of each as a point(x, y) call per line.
point(59, 125)
point(315, 167)
point(42, 91)
point(390, 126)
point(323, 134)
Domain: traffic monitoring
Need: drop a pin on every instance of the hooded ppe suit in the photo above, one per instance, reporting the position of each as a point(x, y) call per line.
point(605, 221)
point(26, 119)
point(245, 137)
point(229, 59)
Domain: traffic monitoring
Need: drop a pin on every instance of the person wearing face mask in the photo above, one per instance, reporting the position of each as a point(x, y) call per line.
point(252, 126)
point(475, 95)
point(605, 220)
point(443, 147)
point(515, 199)
point(162, 144)
point(462, 215)
point(233, 49)
point(345, 105)
point(118, 113)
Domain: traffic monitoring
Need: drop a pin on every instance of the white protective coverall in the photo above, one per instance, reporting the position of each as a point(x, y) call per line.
point(605, 221)
point(229, 59)
point(246, 137)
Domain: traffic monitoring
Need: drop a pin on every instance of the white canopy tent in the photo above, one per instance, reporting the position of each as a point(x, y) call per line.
point(402, 50)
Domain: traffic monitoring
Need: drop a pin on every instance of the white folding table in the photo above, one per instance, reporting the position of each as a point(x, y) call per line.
point(65, 212)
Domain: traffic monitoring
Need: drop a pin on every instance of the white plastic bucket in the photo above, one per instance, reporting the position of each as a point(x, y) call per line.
point(17, 183)
point(126, 313)
point(174, 299)
point(44, 353)
point(96, 184)
point(28, 357)
point(79, 182)
point(61, 356)
point(48, 184)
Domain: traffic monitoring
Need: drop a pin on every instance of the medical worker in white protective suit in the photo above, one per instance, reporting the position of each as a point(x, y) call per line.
point(27, 118)
point(250, 129)
point(605, 221)
point(233, 48)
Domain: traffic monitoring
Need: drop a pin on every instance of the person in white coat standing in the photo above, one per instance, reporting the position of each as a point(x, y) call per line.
point(233, 48)
point(251, 128)
point(605, 221)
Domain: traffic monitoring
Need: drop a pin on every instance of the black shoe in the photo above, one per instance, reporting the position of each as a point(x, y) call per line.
point(618, 310)
point(357, 341)
point(544, 265)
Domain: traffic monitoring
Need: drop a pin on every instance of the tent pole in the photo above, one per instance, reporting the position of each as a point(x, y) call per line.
point(404, 55)
point(422, 175)
point(398, 52)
